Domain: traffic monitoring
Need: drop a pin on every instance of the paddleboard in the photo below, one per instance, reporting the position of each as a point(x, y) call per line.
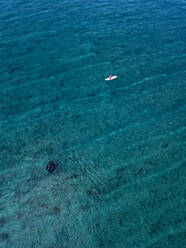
point(113, 77)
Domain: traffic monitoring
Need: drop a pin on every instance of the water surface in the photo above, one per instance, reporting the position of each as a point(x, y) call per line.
point(119, 146)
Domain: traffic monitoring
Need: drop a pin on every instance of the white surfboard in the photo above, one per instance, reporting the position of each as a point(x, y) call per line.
point(113, 77)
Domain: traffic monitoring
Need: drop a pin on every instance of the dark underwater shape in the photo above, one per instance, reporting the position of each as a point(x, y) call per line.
point(50, 167)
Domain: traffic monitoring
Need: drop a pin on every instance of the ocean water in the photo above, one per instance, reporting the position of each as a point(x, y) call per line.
point(119, 146)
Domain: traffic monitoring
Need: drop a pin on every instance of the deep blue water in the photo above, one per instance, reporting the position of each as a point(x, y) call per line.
point(119, 146)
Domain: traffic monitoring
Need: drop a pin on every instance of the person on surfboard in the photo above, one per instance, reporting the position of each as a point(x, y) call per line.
point(111, 77)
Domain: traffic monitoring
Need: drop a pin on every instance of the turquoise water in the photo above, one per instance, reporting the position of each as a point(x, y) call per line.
point(119, 146)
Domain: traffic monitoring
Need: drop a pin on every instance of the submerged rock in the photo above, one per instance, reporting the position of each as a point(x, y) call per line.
point(50, 167)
